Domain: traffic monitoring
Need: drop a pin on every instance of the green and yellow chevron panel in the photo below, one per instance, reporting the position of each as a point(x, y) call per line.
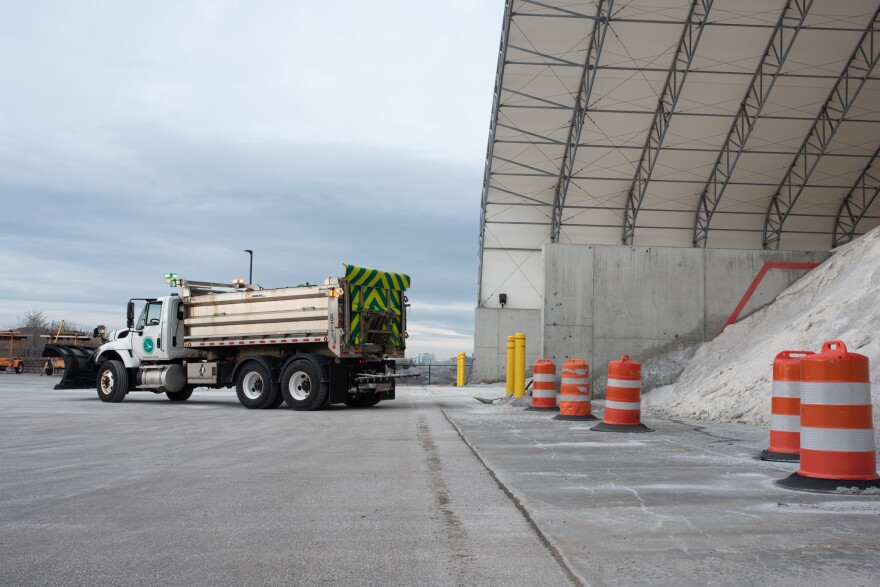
point(380, 291)
point(356, 328)
point(355, 275)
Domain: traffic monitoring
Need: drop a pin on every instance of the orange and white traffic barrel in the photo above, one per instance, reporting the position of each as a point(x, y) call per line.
point(785, 410)
point(623, 398)
point(837, 429)
point(543, 385)
point(575, 401)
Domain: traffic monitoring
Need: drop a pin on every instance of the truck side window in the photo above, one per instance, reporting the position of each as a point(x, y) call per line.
point(150, 316)
point(154, 313)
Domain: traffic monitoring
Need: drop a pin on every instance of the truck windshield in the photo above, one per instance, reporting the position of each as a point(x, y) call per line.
point(150, 315)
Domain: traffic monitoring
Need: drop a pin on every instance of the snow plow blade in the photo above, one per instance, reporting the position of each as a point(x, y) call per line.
point(79, 365)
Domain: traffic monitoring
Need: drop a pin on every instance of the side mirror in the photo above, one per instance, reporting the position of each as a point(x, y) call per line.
point(130, 316)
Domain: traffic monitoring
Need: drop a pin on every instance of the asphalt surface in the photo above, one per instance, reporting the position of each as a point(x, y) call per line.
point(150, 492)
point(433, 488)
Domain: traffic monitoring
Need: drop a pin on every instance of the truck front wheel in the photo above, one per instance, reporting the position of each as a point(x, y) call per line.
point(255, 387)
point(302, 386)
point(112, 381)
point(19, 368)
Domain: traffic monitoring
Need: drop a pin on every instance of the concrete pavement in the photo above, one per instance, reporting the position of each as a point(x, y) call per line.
point(688, 504)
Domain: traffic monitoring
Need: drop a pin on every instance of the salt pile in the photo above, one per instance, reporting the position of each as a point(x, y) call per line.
point(728, 379)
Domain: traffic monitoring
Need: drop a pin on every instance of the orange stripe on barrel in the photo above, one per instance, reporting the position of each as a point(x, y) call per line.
point(825, 416)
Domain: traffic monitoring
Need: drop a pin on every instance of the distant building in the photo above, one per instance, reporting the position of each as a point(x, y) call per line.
point(425, 359)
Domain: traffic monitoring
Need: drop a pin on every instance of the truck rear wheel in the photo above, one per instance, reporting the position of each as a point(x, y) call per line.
point(302, 386)
point(112, 381)
point(255, 387)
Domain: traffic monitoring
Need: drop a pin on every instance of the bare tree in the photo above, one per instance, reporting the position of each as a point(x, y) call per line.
point(33, 324)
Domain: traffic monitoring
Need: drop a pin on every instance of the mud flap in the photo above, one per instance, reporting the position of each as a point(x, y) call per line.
point(79, 365)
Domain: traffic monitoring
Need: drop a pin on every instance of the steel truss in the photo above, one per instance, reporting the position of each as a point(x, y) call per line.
point(496, 103)
point(548, 87)
point(781, 42)
point(831, 116)
point(684, 56)
point(857, 202)
point(582, 102)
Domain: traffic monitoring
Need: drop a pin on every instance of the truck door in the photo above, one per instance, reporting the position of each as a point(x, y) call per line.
point(174, 331)
point(147, 343)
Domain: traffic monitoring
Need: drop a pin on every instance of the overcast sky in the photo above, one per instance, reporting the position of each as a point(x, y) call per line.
point(140, 138)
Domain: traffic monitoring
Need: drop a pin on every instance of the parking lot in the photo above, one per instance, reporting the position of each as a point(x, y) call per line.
point(432, 488)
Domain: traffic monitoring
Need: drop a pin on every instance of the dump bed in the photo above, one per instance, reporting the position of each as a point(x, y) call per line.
point(263, 314)
point(363, 312)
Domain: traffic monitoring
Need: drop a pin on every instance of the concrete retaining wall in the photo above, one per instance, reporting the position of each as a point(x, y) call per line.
point(657, 304)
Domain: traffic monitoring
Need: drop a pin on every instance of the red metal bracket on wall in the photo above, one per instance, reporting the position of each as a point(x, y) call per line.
point(767, 267)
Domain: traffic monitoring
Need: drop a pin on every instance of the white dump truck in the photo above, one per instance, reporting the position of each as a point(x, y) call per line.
point(308, 346)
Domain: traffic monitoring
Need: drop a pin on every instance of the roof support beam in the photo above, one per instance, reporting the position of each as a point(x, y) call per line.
point(853, 77)
point(610, 146)
point(556, 11)
point(857, 202)
point(557, 62)
point(634, 112)
point(674, 22)
point(496, 101)
point(684, 55)
point(582, 102)
point(748, 115)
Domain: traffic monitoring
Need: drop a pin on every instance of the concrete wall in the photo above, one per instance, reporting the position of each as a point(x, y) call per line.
point(657, 304)
point(493, 326)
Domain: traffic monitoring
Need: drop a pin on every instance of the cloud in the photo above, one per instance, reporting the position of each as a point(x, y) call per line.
point(102, 239)
point(141, 138)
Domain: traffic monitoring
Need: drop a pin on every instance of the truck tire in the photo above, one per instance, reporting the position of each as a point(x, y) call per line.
point(303, 387)
point(180, 396)
point(255, 388)
point(19, 368)
point(278, 401)
point(362, 400)
point(112, 381)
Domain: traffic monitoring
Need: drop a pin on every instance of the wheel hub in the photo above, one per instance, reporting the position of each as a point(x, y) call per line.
point(107, 383)
point(300, 386)
point(253, 385)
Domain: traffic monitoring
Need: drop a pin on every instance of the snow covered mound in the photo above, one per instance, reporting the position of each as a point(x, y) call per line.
point(728, 379)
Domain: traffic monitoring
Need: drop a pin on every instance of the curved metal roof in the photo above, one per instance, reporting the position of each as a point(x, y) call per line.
point(719, 123)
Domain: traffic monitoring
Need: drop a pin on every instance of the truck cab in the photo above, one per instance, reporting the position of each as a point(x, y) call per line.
point(155, 336)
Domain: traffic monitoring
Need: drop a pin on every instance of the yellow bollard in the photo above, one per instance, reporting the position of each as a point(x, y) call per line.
point(511, 363)
point(460, 374)
point(519, 381)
